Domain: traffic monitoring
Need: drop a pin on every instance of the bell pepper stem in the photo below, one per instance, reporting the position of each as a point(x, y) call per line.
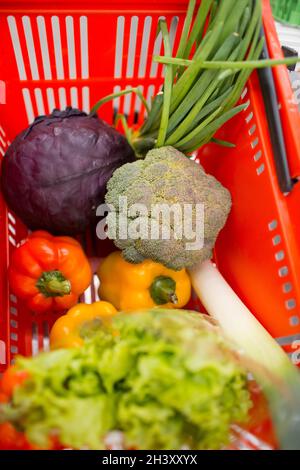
point(56, 287)
point(163, 290)
point(53, 284)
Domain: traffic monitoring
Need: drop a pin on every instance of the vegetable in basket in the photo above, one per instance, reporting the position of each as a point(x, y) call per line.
point(164, 378)
point(185, 186)
point(10, 437)
point(148, 284)
point(217, 52)
point(54, 174)
point(49, 273)
point(81, 320)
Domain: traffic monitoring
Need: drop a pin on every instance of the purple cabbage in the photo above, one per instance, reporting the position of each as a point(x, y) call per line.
point(54, 174)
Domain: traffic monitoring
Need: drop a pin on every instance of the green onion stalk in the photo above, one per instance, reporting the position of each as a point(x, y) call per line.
point(216, 54)
point(219, 48)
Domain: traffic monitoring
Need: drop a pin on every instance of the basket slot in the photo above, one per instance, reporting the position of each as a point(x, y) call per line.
point(50, 99)
point(17, 47)
point(116, 101)
point(62, 98)
point(260, 169)
point(294, 320)
point(45, 337)
point(84, 49)
point(257, 156)
point(150, 94)
point(71, 46)
point(87, 296)
point(28, 105)
point(156, 51)
point(3, 141)
point(249, 117)
point(290, 304)
point(34, 339)
point(132, 46)
point(287, 287)
point(57, 47)
point(30, 48)
point(145, 46)
point(44, 47)
point(96, 284)
point(91, 294)
point(119, 47)
point(86, 99)
point(138, 106)
point(276, 240)
point(127, 102)
point(39, 101)
point(74, 97)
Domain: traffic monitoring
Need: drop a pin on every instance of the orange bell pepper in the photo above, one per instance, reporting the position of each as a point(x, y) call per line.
point(145, 285)
point(10, 437)
point(12, 378)
point(69, 330)
point(49, 273)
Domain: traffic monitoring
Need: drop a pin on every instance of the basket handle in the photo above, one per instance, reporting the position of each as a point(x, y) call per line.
point(269, 94)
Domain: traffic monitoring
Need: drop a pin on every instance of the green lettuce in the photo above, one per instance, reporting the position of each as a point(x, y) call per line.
point(165, 378)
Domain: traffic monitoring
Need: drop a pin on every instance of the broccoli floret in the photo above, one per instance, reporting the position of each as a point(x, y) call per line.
point(165, 176)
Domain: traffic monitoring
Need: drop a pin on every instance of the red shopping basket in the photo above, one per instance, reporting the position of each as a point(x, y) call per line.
point(71, 52)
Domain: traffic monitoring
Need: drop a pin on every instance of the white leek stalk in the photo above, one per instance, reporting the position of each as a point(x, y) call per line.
point(278, 377)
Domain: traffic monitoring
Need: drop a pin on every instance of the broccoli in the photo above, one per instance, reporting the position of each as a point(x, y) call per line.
point(166, 176)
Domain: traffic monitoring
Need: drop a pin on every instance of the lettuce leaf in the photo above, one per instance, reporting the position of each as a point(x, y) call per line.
point(166, 379)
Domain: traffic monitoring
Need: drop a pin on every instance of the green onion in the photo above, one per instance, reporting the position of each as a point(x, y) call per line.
point(199, 90)
point(186, 28)
point(205, 68)
point(190, 142)
point(239, 65)
point(127, 130)
point(198, 27)
point(167, 87)
point(271, 367)
point(107, 98)
point(223, 143)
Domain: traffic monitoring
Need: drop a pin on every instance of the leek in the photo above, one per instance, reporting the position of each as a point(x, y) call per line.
point(271, 367)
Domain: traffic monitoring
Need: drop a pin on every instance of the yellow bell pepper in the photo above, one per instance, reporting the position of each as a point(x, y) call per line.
point(148, 284)
point(69, 330)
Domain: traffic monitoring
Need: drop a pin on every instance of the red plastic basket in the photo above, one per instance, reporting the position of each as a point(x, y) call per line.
point(72, 52)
